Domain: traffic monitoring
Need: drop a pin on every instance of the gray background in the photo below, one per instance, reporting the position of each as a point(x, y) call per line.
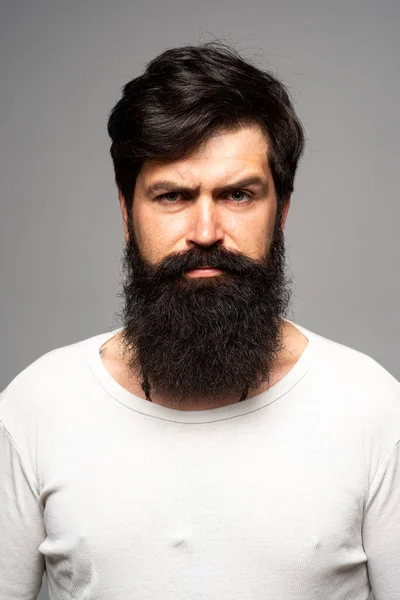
point(62, 67)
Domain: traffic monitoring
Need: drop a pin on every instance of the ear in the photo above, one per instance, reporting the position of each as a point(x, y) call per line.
point(124, 214)
point(285, 210)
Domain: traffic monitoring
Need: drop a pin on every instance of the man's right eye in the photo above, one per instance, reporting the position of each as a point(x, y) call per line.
point(169, 197)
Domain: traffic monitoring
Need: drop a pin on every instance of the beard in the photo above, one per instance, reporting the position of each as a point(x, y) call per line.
point(191, 339)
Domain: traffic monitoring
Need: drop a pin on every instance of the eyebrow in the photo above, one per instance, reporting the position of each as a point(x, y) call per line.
point(169, 186)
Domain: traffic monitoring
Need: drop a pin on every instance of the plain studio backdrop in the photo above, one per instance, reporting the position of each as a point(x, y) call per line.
point(62, 68)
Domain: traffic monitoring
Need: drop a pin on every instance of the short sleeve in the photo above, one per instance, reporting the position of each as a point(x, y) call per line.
point(381, 529)
point(21, 526)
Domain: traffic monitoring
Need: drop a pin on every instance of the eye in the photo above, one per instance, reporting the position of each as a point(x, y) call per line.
point(169, 197)
point(239, 196)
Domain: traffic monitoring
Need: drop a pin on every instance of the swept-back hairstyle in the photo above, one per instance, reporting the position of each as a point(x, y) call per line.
point(184, 96)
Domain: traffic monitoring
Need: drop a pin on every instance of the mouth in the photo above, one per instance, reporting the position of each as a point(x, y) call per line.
point(203, 272)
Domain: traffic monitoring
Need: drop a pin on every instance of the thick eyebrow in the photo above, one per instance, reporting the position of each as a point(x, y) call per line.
point(254, 180)
point(170, 186)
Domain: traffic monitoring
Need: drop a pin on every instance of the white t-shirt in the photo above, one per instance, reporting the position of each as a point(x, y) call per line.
point(291, 495)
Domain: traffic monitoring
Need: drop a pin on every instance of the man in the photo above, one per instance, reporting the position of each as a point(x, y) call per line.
point(209, 447)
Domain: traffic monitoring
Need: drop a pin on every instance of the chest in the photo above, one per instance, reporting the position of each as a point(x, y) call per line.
point(260, 496)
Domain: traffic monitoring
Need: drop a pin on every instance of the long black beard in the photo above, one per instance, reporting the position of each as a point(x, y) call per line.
point(191, 339)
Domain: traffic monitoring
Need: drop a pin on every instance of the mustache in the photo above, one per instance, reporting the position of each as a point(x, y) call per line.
point(218, 257)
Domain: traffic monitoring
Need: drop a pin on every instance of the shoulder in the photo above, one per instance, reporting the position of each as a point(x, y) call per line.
point(348, 365)
point(38, 387)
point(355, 387)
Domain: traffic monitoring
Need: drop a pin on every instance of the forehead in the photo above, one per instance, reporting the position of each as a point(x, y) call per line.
point(225, 155)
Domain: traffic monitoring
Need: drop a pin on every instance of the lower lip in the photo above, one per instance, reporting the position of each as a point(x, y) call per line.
point(203, 272)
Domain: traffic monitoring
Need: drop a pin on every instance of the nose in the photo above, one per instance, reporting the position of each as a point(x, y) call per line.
point(205, 227)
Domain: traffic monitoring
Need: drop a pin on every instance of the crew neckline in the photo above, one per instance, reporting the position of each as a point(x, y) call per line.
point(140, 405)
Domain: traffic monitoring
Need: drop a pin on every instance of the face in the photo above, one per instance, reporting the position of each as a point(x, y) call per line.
point(224, 194)
point(205, 289)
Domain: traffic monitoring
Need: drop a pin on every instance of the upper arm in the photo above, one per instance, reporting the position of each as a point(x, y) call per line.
point(21, 526)
point(381, 529)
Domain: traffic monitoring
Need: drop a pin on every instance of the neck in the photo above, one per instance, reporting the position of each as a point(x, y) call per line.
point(113, 360)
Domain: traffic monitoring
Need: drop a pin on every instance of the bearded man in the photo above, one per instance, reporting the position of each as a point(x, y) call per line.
point(209, 447)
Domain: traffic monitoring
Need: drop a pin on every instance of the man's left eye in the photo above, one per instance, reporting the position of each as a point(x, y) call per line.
point(239, 195)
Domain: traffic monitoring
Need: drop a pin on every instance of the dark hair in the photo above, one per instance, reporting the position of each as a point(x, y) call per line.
point(184, 96)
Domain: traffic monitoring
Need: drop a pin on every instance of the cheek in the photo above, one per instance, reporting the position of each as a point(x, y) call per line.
point(262, 242)
point(252, 236)
point(265, 230)
point(142, 232)
point(156, 237)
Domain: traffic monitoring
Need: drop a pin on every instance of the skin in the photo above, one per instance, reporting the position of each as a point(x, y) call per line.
point(206, 215)
point(202, 206)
